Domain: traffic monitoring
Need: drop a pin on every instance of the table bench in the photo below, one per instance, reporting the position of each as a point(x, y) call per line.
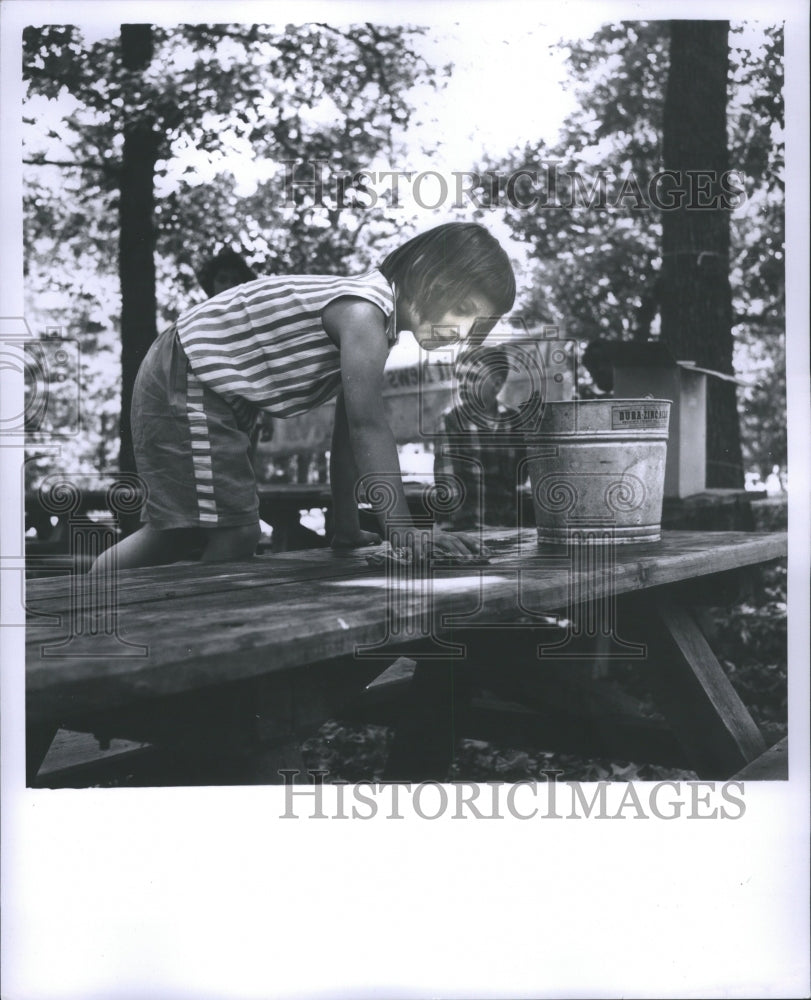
point(227, 665)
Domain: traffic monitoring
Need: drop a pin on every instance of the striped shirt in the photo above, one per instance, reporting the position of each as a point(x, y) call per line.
point(264, 343)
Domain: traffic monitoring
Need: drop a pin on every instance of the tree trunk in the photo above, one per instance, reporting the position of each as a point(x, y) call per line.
point(137, 237)
point(696, 305)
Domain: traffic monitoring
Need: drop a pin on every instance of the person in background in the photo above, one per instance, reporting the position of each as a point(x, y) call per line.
point(224, 270)
point(477, 454)
point(598, 360)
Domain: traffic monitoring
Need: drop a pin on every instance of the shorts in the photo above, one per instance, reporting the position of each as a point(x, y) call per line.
point(192, 447)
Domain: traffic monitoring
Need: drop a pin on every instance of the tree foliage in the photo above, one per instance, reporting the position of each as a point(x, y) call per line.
point(597, 261)
point(223, 107)
point(218, 93)
point(595, 249)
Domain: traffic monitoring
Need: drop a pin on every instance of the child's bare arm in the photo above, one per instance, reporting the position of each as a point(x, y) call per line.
point(358, 327)
point(343, 470)
point(361, 428)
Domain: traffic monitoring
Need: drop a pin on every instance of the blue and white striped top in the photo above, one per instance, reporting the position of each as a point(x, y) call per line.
point(264, 341)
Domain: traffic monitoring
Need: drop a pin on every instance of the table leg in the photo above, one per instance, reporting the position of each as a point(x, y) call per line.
point(426, 734)
point(700, 703)
point(38, 739)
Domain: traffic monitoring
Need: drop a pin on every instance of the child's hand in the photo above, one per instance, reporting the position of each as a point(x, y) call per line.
point(437, 548)
point(357, 540)
point(424, 546)
point(456, 543)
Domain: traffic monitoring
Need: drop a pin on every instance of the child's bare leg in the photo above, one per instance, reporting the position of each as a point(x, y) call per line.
point(227, 544)
point(147, 546)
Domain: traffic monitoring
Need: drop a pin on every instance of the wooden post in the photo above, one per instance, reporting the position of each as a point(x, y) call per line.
point(701, 704)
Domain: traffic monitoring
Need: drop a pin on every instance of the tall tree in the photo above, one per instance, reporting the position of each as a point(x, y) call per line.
point(598, 262)
point(595, 249)
point(694, 292)
point(154, 121)
point(136, 205)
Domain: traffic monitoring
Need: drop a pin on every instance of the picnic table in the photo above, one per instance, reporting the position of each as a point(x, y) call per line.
point(229, 666)
point(280, 506)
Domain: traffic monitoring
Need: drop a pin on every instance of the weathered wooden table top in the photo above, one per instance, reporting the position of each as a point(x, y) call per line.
point(194, 625)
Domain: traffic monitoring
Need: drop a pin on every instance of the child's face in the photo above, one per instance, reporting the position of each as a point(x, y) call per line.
point(454, 327)
point(480, 384)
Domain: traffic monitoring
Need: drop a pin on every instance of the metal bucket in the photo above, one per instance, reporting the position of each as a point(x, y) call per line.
point(599, 464)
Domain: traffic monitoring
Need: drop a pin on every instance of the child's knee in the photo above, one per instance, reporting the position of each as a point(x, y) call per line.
point(248, 537)
point(249, 534)
point(242, 541)
point(232, 543)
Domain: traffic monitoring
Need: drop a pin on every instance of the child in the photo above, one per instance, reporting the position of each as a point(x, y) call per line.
point(477, 454)
point(284, 345)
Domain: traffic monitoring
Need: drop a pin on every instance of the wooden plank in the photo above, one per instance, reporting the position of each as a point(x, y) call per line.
point(679, 556)
point(76, 757)
point(393, 682)
point(772, 765)
point(738, 549)
point(303, 622)
point(38, 739)
point(699, 701)
point(185, 579)
point(308, 495)
point(190, 580)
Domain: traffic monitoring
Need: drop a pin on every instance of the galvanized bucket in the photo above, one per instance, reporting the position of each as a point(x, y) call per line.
point(597, 469)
